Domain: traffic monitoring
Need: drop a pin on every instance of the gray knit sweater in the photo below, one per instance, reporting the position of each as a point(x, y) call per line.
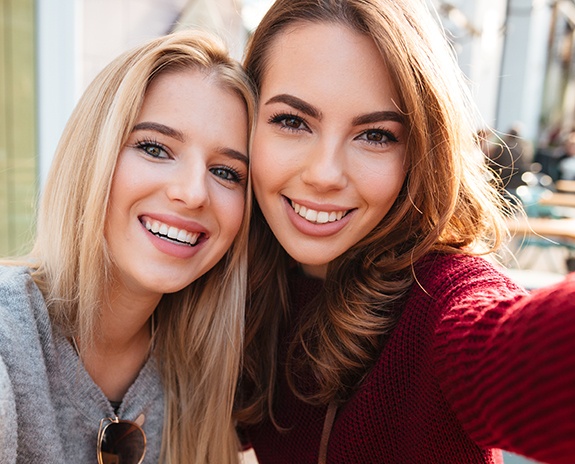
point(50, 409)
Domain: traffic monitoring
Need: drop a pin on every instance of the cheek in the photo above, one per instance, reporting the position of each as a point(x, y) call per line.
point(261, 165)
point(275, 162)
point(131, 178)
point(381, 186)
point(230, 209)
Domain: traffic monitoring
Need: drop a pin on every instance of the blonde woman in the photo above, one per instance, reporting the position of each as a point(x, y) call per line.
point(376, 333)
point(120, 333)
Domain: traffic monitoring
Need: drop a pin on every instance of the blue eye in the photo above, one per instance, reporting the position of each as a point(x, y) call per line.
point(227, 173)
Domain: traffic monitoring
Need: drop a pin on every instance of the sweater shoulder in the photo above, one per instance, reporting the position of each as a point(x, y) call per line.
point(23, 313)
point(19, 294)
point(13, 277)
point(17, 288)
point(436, 267)
point(452, 278)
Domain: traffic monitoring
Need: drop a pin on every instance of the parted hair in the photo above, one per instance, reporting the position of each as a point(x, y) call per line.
point(200, 328)
point(445, 205)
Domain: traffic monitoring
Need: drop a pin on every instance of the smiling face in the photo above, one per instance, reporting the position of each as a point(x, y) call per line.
point(178, 192)
point(329, 144)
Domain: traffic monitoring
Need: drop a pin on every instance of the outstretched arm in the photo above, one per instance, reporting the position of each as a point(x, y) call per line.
point(508, 370)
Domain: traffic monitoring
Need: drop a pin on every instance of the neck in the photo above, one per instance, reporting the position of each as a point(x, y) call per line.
point(125, 319)
point(311, 270)
point(122, 345)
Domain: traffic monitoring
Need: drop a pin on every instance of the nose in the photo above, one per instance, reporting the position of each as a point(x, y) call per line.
point(325, 167)
point(189, 185)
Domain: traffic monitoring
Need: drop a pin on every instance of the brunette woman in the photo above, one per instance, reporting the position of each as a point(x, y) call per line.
point(376, 332)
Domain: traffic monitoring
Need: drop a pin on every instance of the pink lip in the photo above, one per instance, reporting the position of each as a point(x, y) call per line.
point(190, 226)
point(317, 230)
point(319, 207)
point(177, 250)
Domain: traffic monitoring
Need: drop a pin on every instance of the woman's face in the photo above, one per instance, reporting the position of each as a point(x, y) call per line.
point(178, 192)
point(329, 145)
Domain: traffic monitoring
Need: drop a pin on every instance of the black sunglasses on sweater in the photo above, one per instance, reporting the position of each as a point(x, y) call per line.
point(120, 442)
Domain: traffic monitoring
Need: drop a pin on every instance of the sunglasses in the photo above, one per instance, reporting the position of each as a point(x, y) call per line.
point(120, 442)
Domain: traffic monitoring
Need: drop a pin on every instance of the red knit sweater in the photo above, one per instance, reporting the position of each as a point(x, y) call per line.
point(474, 364)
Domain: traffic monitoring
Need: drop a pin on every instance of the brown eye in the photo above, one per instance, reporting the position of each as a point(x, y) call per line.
point(289, 122)
point(377, 137)
point(374, 136)
point(294, 123)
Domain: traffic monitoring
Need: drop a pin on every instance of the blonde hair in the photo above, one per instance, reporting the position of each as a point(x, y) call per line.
point(199, 329)
point(446, 205)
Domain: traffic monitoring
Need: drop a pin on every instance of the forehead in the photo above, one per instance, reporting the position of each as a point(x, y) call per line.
point(198, 105)
point(189, 84)
point(320, 57)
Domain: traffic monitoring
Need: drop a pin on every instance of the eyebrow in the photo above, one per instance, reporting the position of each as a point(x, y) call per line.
point(296, 103)
point(379, 116)
point(161, 128)
point(310, 110)
point(230, 152)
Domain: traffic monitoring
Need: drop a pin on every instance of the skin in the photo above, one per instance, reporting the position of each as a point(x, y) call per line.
point(328, 138)
point(184, 166)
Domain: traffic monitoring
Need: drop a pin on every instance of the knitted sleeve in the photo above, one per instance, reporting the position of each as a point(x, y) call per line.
point(506, 364)
point(8, 418)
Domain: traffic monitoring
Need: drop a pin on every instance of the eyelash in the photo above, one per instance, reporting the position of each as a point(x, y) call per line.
point(231, 174)
point(145, 144)
point(387, 134)
point(280, 119)
point(236, 177)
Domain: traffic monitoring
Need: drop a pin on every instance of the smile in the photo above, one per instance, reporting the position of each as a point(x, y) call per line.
point(172, 233)
point(317, 217)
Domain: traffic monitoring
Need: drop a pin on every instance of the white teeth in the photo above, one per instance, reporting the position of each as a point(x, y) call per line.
point(319, 217)
point(172, 232)
point(322, 217)
point(192, 238)
point(311, 215)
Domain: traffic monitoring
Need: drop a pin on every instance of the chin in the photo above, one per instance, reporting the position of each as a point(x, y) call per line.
point(168, 286)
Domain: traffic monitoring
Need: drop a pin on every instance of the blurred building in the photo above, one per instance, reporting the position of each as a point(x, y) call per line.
point(519, 57)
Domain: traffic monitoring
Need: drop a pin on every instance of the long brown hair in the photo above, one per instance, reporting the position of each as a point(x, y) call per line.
point(446, 205)
point(200, 328)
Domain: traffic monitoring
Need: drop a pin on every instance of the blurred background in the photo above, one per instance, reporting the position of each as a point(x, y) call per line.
point(517, 54)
